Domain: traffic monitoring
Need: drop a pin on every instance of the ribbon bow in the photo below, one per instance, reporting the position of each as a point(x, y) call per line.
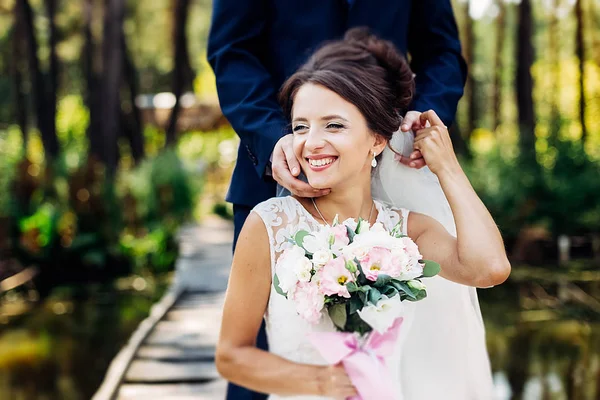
point(365, 364)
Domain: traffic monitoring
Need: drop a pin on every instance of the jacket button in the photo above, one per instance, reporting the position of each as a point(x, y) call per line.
point(251, 155)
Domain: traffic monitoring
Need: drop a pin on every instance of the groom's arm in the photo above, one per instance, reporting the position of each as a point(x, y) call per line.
point(247, 95)
point(436, 58)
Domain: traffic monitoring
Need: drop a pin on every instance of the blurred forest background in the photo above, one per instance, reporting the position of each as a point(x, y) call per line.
point(111, 138)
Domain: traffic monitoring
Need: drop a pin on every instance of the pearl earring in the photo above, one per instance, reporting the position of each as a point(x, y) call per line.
point(374, 162)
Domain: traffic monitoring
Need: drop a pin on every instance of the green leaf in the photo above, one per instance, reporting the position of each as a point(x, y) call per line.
point(431, 268)
point(361, 279)
point(389, 291)
point(337, 313)
point(277, 287)
point(354, 305)
point(361, 226)
point(351, 233)
point(299, 238)
point(403, 288)
point(397, 230)
point(374, 296)
point(382, 280)
point(352, 287)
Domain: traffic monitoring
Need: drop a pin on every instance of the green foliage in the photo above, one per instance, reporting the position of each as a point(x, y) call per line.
point(561, 191)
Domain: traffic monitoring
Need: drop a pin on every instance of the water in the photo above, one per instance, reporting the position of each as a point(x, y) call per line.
point(61, 348)
point(543, 339)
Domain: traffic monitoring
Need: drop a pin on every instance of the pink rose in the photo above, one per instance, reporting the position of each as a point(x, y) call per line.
point(334, 277)
point(309, 302)
point(379, 261)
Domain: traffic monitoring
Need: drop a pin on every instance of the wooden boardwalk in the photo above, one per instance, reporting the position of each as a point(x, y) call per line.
point(171, 354)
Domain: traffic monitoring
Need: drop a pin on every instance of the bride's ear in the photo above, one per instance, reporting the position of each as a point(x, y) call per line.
point(380, 143)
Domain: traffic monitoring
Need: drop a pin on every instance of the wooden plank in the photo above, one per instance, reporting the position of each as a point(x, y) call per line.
point(164, 371)
point(170, 353)
point(178, 314)
point(214, 390)
point(184, 339)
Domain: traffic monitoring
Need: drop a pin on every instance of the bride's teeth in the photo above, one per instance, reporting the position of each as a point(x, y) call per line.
point(321, 162)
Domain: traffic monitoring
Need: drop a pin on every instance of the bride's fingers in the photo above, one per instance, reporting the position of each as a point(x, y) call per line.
point(432, 117)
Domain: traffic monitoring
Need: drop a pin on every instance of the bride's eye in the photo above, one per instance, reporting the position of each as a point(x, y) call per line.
point(299, 128)
point(334, 125)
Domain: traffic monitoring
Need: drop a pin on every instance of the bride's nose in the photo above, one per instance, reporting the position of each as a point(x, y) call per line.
point(315, 139)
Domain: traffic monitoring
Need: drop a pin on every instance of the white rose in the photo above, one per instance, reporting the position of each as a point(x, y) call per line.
point(285, 267)
point(353, 251)
point(302, 267)
point(382, 316)
point(317, 241)
point(321, 257)
point(304, 275)
point(377, 227)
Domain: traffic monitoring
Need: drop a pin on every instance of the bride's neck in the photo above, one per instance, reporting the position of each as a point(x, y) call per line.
point(352, 202)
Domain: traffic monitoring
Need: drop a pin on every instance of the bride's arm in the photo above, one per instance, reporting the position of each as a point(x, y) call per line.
point(476, 257)
point(237, 358)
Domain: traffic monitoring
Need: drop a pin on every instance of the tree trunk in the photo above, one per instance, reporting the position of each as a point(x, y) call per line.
point(17, 64)
point(112, 53)
point(468, 44)
point(497, 96)
point(580, 52)
point(53, 70)
point(554, 61)
point(93, 96)
point(182, 72)
point(49, 140)
point(133, 124)
point(524, 84)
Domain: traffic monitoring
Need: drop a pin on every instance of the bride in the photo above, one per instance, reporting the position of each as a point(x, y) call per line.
point(345, 105)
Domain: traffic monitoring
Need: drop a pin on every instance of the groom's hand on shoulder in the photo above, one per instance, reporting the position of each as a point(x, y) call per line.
point(286, 169)
point(412, 122)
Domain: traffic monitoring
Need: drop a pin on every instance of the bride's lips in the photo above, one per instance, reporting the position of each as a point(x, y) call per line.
point(320, 162)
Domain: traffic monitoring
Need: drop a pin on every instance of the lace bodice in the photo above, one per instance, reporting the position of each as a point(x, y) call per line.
point(286, 331)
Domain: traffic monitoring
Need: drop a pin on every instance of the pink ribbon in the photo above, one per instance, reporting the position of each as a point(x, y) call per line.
point(365, 365)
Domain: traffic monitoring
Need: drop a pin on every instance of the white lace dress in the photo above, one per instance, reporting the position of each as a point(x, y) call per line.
point(286, 331)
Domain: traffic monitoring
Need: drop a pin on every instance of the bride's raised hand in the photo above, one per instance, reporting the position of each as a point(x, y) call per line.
point(336, 383)
point(435, 144)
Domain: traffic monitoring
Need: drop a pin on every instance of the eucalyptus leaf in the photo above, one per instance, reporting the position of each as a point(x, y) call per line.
point(382, 280)
point(337, 313)
point(403, 287)
point(299, 238)
point(276, 285)
point(389, 291)
point(354, 305)
point(431, 268)
point(351, 233)
point(374, 296)
point(361, 279)
point(352, 287)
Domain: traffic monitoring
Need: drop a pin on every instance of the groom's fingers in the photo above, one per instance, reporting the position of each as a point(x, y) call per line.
point(411, 121)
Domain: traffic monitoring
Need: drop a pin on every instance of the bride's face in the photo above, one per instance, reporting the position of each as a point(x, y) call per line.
point(331, 138)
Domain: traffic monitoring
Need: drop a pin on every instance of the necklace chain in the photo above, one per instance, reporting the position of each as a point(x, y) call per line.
point(325, 221)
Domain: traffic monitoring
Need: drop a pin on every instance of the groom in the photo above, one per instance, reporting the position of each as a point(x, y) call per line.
point(254, 45)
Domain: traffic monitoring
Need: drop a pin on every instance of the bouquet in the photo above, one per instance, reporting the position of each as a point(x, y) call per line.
point(360, 275)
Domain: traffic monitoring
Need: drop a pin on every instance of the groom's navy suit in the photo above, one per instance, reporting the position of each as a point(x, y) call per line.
point(254, 45)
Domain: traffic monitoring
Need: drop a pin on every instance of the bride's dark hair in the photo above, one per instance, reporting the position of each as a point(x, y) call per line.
point(366, 71)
